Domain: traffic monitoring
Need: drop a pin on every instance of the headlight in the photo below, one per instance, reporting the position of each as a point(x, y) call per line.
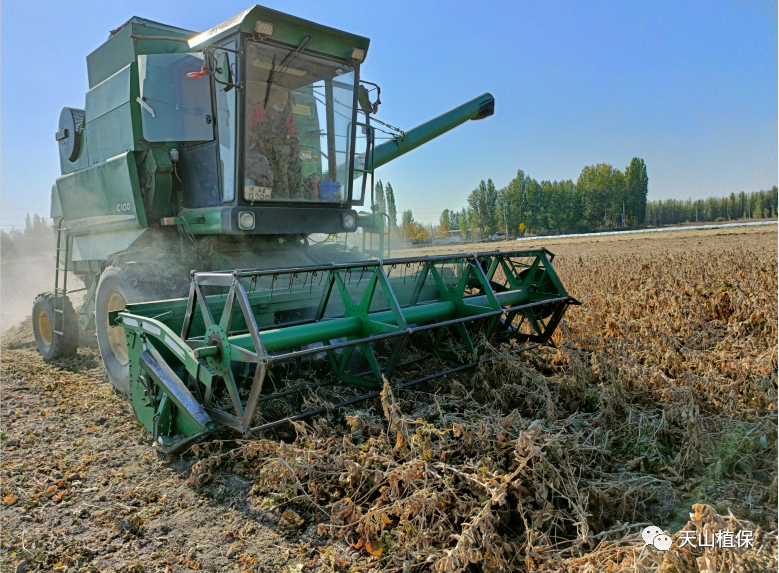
point(348, 221)
point(246, 220)
point(358, 55)
point(264, 28)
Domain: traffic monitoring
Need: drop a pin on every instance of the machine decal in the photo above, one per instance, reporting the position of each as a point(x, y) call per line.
point(175, 347)
point(86, 222)
point(151, 328)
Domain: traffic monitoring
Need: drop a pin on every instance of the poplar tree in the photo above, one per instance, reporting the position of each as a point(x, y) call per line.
point(637, 188)
point(392, 209)
point(381, 201)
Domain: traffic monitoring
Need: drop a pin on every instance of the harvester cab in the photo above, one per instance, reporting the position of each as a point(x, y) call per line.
point(197, 154)
point(251, 128)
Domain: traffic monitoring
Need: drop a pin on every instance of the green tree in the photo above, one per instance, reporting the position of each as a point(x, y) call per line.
point(512, 200)
point(482, 203)
point(454, 220)
point(536, 216)
point(596, 184)
point(619, 197)
point(392, 210)
point(637, 183)
point(381, 201)
point(408, 217)
point(444, 223)
point(464, 221)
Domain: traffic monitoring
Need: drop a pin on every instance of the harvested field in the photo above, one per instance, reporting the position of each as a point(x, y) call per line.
point(658, 407)
point(704, 240)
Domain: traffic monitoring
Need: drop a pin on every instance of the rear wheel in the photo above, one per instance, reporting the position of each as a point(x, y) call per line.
point(114, 291)
point(44, 318)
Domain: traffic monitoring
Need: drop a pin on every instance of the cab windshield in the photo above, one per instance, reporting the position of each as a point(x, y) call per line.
point(299, 126)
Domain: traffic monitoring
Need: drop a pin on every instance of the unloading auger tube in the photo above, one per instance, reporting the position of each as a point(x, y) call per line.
point(206, 361)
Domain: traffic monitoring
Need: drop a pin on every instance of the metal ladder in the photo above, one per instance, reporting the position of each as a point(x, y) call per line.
point(61, 266)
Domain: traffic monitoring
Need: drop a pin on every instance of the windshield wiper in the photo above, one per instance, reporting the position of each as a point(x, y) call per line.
point(283, 65)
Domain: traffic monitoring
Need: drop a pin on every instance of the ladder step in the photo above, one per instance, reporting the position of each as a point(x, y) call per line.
point(59, 310)
point(59, 332)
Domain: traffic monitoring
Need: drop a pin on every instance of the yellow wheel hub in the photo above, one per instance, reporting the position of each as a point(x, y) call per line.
point(44, 328)
point(116, 339)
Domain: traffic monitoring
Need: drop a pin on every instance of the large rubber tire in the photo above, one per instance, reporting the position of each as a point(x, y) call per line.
point(51, 345)
point(114, 291)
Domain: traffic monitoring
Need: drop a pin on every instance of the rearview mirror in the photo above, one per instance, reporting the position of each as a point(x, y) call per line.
point(223, 73)
point(364, 100)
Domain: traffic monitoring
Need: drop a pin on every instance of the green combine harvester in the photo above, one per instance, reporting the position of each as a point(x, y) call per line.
point(251, 146)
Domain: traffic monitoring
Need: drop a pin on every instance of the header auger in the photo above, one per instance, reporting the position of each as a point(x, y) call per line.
point(222, 359)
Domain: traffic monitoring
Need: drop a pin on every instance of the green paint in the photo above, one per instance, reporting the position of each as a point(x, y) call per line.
point(109, 134)
point(158, 176)
point(120, 50)
point(106, 196)
point(204, 221)
point(112, 92)
point(429, 130)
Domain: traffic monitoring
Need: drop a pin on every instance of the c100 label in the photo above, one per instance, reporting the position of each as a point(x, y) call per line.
point(124, 207)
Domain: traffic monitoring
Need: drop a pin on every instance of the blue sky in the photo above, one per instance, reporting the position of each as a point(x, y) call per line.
point(691, 87)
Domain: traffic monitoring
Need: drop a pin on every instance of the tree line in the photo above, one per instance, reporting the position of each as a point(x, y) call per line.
point(756, 205)
point(602, 198)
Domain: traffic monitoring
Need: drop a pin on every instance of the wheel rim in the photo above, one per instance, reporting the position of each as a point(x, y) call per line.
point(116, 340)
point(44, 328)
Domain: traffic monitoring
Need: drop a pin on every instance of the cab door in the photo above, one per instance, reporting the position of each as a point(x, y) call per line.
point(176, 106)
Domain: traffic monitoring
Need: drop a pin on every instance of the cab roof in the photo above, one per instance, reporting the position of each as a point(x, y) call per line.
point(288, 30)
point(124, 44)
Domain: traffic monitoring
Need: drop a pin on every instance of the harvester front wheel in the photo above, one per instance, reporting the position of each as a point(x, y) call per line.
point(114, 291)
point(44, 318)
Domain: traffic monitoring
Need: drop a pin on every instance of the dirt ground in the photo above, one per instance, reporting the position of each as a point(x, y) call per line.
point(83, 489)
point(79, 476)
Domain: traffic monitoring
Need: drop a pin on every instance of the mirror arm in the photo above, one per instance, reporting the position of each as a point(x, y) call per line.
point(208, 54)
point(378, 95)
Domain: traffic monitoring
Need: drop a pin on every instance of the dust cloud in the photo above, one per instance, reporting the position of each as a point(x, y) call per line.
point(21, 280)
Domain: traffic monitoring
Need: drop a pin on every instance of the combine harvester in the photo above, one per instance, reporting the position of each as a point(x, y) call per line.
point(201, 153)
